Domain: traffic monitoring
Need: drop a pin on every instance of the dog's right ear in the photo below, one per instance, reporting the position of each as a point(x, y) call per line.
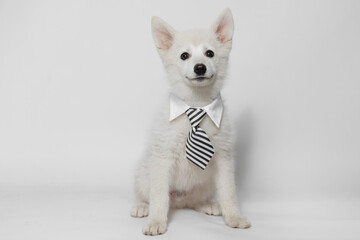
point(223, 27)
point(163, 33)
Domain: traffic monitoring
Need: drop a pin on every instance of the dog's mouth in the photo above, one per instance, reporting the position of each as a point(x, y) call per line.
point(200, 79)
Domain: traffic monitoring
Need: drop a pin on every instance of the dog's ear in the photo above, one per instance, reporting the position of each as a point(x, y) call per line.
point(163, 33)
point(223, 27)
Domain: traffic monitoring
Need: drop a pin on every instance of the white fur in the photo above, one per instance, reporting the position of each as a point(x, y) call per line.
point(165, 178)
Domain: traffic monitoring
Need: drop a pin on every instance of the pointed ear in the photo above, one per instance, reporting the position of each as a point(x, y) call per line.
point(223, 27)
point(163, 33)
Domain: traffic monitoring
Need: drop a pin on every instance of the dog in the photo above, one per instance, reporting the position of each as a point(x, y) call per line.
point(196, 63)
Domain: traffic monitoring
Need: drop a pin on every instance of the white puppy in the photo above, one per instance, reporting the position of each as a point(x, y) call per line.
point(196, 63)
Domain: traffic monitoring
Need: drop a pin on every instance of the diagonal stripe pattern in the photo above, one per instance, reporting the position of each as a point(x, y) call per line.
point(198, 146)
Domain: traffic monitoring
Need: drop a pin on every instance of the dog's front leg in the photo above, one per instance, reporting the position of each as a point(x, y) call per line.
point(159, 196)
point(226, 191)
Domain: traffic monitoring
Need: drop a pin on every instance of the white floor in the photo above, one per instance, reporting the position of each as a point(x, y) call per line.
point(64, 214)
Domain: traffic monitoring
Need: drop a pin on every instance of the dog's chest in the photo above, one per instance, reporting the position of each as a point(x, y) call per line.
point(185, 175)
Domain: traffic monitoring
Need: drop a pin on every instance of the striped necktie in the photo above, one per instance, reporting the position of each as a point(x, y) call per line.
point(198, 146)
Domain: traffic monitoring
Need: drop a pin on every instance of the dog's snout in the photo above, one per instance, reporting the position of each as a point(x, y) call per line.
point(200, 69)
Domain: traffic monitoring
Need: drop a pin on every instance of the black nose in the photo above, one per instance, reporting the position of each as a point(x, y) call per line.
point(200, 69)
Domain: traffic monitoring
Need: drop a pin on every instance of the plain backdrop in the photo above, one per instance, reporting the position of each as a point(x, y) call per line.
point(81, 82)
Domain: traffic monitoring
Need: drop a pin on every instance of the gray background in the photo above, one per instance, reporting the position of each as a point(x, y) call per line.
point(81, 81)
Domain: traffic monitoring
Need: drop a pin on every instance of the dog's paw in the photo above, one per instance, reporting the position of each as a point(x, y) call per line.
point(237, 222)
point(154, 228)
point(140, 210)
point(210, 208)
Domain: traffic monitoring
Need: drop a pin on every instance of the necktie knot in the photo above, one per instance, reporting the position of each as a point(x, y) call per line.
point(195, 115)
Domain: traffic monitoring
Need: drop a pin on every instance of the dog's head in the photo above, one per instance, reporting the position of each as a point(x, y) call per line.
point(195, 58)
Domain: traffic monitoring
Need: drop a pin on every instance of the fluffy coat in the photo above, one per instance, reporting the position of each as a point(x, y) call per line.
point(165, 178)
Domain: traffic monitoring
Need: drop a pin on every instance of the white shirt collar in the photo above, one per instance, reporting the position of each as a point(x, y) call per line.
point(214, 110)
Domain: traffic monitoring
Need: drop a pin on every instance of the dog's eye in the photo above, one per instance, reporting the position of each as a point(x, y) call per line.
point(209, 53)
point(184, 56)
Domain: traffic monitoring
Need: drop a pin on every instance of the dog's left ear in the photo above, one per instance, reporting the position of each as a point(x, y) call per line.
point(223, 27)
point(163, 33)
